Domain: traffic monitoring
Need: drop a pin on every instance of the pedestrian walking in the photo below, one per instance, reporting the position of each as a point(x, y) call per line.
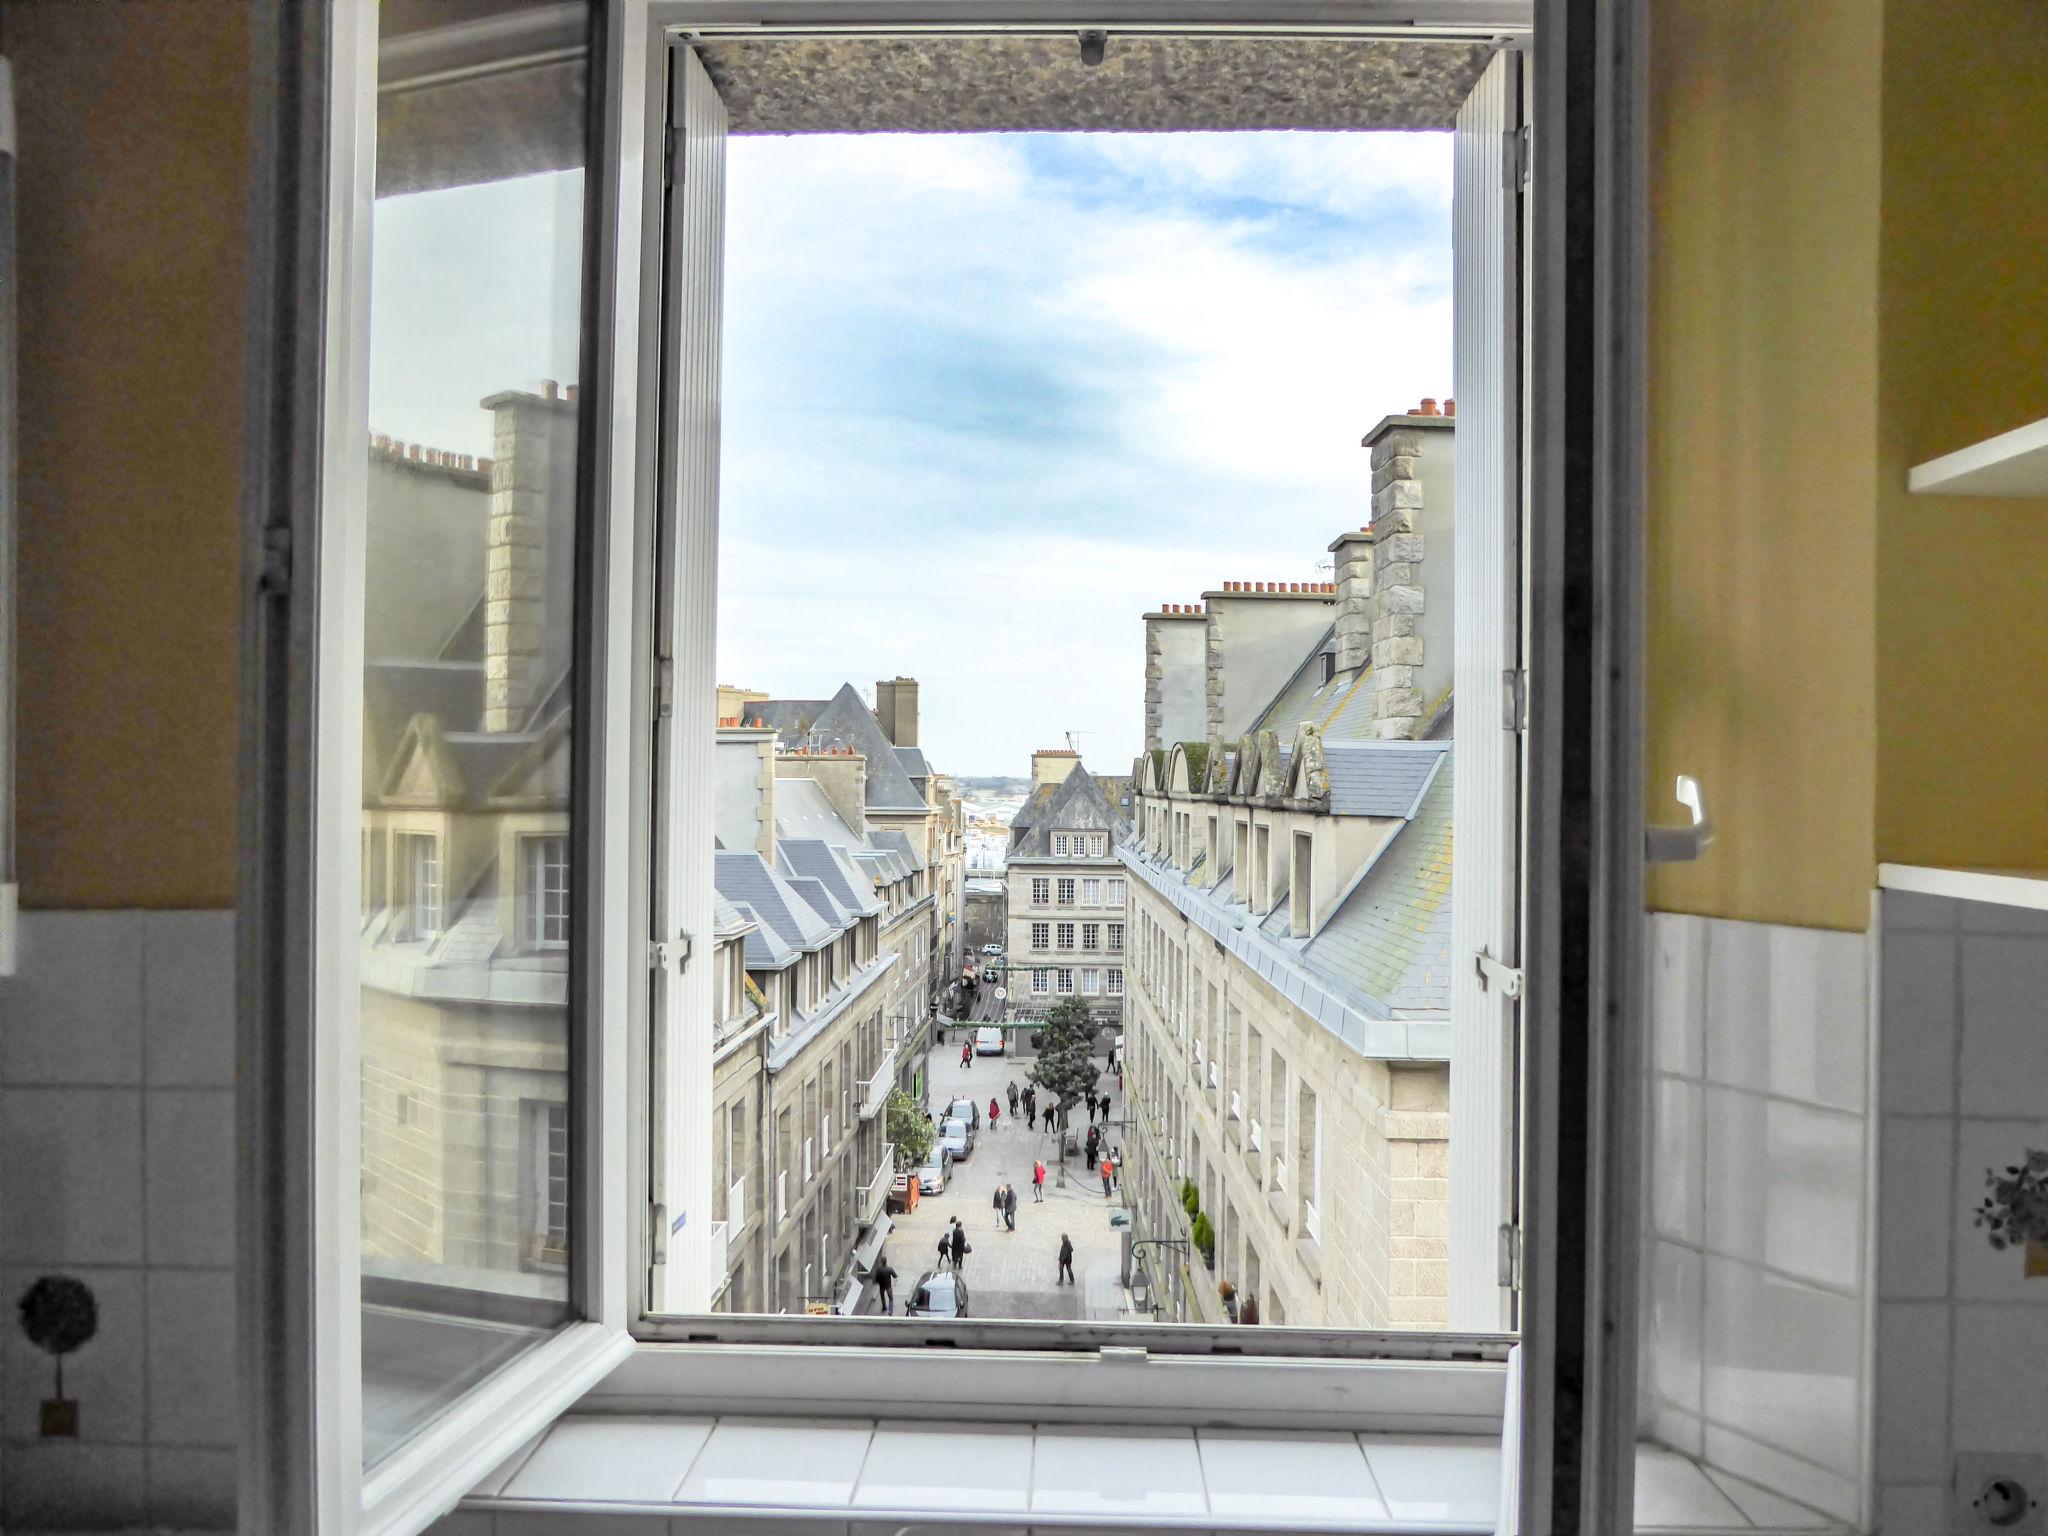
point(1010, 1207)
point(1013, 1100)
point(995, 1113)
point(1108, 1172)
point(960, 1245)
point(1030, 1100)
point(967, 1054)
point(1105, 1108)
point(997, 1202)
point(1094, 1143)
point(946, 1249)
point(885, 1283)
point(1038, 1182)
point(1066, 1260)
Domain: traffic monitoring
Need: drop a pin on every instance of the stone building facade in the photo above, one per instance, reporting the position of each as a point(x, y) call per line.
point(1290, 899)
point(1068, 934)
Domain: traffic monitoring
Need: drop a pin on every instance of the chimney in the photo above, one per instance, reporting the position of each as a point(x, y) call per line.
point(1351, 555)
point(1412, 500)
point(529, 570)
point(896, 708)
point(1173, 678)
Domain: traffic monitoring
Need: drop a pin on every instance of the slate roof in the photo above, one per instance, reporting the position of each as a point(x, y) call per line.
point(844, 720)
point(764, 951)
point(803, 809)
point(746, 880)
point(1340, 708)
point(1390, 938)
point(727, 920)
point(912, 760)
point(1077, 801)
point(1381, 778)
point(814, 858)
point(896, 840)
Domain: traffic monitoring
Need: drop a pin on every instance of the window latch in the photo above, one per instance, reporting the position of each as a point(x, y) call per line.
point(671, 952)
point(1681, 845)
point(1493, 973)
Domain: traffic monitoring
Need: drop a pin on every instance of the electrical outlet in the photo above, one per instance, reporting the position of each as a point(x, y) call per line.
point(1999, 1492)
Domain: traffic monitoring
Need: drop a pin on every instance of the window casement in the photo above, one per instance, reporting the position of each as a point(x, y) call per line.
point(1041, 982)
point(1065, 935)
point(1116, 938)
point(1301, 905)
point(544, 891)
point(605, 1223)
point(1062, 845)
point(1063, 980)
point(1066, 892)
point(1091, 935)
point(1091, 893)
point(1041, 891)
point(1116, 983)
point(1113, 892)
point(1041, 936)
point(419, 857)
point(1091, 982)
point(544, 1128)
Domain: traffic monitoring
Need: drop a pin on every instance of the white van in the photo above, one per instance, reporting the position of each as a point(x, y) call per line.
point(988, 1042)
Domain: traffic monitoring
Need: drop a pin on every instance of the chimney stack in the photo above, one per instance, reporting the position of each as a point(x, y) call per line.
point(896, 708)
point(529, 569)
point(1351, 555)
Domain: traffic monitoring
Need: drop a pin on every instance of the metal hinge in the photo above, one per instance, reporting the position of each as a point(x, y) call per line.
point(1514, 158)
point(667, 952)
point(664, 687)
point(1508, 1251)
point(657, 1236)
point(1493, 973)
point(1514, 700)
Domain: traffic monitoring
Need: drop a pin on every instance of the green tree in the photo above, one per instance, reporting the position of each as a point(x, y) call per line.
point(1066, 1058)
point(908, 1128)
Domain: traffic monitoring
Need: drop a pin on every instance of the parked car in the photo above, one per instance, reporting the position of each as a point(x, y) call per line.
point(938, 1293)
point(957, 1137)
point(964, 1108)
point(988, 1042)
point(933, 1172)
point(991, 949)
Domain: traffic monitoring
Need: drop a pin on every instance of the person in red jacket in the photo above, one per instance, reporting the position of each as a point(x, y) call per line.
point(1038, 1181)
point(995, 1113)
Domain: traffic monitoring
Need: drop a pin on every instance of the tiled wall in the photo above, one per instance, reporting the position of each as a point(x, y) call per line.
point(1962, 1356)
point(117, 1166)
point(1757, 1285)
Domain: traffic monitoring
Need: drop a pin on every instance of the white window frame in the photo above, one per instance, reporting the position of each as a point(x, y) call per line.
point(1091, 982)
point(544, 890)
point(1091, 937)
point(1063, 937)
point(1062, 845)
point(1041, 937)
point(1041, 891)
point(1113, 940)
point(1063, 891)
point(1063, 980)
point(1091, 892)
point(321, 1491)
point(1116, 983)
point(1041, 982)
point(1115, 891)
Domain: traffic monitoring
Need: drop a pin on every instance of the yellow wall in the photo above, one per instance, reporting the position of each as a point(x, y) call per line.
point(134, 124)
point(1762, 545)
point(1962, 581)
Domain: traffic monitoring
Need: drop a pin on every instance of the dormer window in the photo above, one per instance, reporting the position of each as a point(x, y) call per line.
point(1302, 904)
point(419, 865)
point(544, 891)
point(1062, 845)
point(1329, 665)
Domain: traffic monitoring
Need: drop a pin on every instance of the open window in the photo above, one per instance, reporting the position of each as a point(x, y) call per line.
point(591, 902)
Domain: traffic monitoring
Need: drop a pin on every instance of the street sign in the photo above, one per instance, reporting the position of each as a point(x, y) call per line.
point(1001, 993)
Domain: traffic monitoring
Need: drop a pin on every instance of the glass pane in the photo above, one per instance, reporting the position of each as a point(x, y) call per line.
point(468, 613)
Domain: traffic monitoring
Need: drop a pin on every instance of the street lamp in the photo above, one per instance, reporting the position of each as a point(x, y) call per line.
point(1141, 1279)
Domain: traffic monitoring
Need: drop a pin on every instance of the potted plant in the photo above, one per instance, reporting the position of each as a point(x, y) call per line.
point(1205, 1238)
point(2016, 1210)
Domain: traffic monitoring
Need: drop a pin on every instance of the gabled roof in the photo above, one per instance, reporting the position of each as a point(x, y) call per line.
point(1381, 778)
point(1077, 801)
point(1390, 938)
point(896, 840)
point(803, 809)
point(913, 762)
point(1341, 708)
point(746, 880)
point(844, 720)
point(813, 858)
point(727, 920)
point(765, 950)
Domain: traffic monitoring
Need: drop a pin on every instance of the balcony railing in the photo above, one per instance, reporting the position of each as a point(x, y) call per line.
point(736, 1202)
point(721, 1255)
point(874, 1194)
point(874, 1093)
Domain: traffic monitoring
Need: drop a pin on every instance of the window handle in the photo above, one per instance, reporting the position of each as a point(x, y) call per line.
point(1681, 845)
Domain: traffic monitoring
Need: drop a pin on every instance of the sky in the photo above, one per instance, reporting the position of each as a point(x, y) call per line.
point(987, 399)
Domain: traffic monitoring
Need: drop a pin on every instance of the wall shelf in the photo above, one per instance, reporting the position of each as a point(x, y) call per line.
point(2006, 887)
point(2013, 463)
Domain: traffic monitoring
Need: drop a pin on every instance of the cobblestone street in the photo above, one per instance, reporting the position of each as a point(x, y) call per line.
point(1012, 1274)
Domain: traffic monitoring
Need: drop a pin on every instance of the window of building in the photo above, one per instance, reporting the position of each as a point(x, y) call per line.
point(1041, 935)
point(1116, 938)
point(1041, 982)
point(1091, 935)
point(1098, 844)
point(1091, 893)
point(419, 856)
point(544, 888)
point(1066, 892)
point(545, 1131)
point(1113, 892)
point(1262, 866)
point(1066, 935)
point(1062, 845)
point(1116, 983)
point(1041, 891)
point(1301, 911)
point(1063, 980)
point(1091, 982)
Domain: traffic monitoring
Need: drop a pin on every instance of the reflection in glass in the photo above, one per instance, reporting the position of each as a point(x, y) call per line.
point(476, 278)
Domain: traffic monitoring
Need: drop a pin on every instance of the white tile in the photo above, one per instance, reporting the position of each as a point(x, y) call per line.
point(1918, 1004)
point(1288, 1476)
point(1435, 1477)
point(1681, 1431)
point(523, 1523)
point(103, 1376)
point(1999, 1396)
point(2004, 1068)
point(191, 1353)
point(1101, 1469)
point(1678, 992)
point(1767, 1509)
point(809, 1463)
point(1833, 1493)
point(69, 1485)
point(73, 1013)
point(1916, 1193)
point(1782, 1363)
point(1911, 1509)
point(1672, 1493)
point(1787, 1011)
point(914, 1465)
point(1984, 1273)
point(189, 1175)
point(1677, 1301)
point(1912, 1389)
point(192, 1489)
point(617, 1459)
point(1785, 1186)
point(1678, 1160)
point(71, 1175)
point(188, 999)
